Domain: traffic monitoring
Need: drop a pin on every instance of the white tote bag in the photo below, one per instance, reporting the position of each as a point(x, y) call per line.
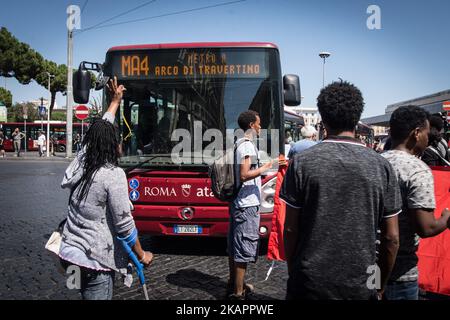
point(54, 242)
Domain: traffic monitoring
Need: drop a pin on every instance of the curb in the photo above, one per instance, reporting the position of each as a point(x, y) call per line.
point(34, 158)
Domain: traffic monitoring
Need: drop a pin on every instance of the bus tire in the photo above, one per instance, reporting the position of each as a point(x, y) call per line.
point(61, 148)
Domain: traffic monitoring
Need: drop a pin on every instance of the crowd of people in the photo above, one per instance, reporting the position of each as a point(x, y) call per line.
point(18, 137)
point(349, 209)
point(343, 197)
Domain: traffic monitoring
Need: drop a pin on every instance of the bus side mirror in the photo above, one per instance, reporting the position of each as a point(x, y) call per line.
point(81, 85)
point(291, 86)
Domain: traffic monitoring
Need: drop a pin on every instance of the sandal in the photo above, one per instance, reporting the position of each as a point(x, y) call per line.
point(236, 297)
point(248, 288)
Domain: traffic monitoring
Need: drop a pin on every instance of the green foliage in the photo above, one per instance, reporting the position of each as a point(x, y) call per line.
point(18, 60)
point(59, 116)
point(16, 112)
point(6, 97)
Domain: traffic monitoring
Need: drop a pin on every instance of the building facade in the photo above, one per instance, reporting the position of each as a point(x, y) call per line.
point(432, 103)
point(311, 116)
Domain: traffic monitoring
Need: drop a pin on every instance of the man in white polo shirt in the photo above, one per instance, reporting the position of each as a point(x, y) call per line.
point(41, 143)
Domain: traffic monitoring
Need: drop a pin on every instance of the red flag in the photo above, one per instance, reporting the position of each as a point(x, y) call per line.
point(434, 253)
point(276, 244)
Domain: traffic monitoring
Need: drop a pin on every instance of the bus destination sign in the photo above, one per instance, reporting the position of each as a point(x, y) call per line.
point(188, 63)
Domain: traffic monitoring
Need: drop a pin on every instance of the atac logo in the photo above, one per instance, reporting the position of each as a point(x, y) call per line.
point(186, 190)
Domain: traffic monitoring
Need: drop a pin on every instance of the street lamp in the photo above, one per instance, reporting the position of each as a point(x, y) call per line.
point(324, 55)
point(50, 76)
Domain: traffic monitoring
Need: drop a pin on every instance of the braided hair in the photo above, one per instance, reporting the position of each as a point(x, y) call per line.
point(101, 142)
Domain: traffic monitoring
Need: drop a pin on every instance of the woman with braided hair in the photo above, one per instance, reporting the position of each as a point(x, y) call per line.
point(99, 209)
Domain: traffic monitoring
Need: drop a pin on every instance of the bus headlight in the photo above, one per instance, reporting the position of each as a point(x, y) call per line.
point(268, 196)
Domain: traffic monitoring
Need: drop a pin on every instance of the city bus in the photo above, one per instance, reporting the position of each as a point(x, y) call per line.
point(293, 124)
point(57, 129)
point(366, 134)
point(191, 88)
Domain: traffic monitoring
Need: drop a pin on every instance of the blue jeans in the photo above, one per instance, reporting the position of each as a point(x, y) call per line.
point(96, 285)
point(402, 290)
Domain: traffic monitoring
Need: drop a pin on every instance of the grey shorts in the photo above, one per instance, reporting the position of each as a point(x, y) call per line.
point(243, 236)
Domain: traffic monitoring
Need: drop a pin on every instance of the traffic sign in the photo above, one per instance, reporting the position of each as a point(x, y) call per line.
point(42, 111)
point(134, 195)
point(134, 184)
point(446, 106)
point(82, 112)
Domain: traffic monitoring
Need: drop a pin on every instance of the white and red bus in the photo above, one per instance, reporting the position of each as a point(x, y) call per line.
point(366, 133)
point(57, 129)
point(175, 86)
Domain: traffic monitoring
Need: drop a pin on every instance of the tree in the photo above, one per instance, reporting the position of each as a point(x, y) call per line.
point(16, 112)
point(57, 84)
point(6, 97)
point(59, 116)
point(18, 60)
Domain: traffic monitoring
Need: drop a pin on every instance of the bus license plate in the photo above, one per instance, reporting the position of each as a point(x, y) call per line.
point(184, 229)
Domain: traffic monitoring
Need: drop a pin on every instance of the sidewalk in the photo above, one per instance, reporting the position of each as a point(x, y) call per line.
point(34, 155)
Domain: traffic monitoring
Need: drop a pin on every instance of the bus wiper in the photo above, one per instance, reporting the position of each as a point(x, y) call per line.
point(128, 170)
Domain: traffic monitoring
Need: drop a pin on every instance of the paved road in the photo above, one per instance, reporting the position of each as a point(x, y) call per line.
point(32, 204)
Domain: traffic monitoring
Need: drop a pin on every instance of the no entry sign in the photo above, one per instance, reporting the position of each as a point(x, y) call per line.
point(82, 112)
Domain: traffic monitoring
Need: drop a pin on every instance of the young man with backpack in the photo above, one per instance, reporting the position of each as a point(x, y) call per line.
point(243, 233)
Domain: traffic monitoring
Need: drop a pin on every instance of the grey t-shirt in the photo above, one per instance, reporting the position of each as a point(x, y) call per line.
point(417, 189)
point(250, 193)
point(343, 190)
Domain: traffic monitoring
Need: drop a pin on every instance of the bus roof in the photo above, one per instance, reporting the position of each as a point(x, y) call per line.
point(196, 45)
point(362, 124)
point(292, 116)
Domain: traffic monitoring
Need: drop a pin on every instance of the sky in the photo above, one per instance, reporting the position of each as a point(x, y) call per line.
point(407, 58)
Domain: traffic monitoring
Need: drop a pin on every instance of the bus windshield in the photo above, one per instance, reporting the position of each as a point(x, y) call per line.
point(159, 110)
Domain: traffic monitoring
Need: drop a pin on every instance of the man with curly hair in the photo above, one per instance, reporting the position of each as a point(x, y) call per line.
point(437, 153)
point(338, 194)
point(410, 130)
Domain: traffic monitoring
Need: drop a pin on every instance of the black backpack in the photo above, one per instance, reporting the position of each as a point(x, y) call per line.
point(223, 180)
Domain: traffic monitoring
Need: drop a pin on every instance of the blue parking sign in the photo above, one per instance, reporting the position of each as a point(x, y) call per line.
point(134, 195)
point(134, 184)
point(42, 111)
